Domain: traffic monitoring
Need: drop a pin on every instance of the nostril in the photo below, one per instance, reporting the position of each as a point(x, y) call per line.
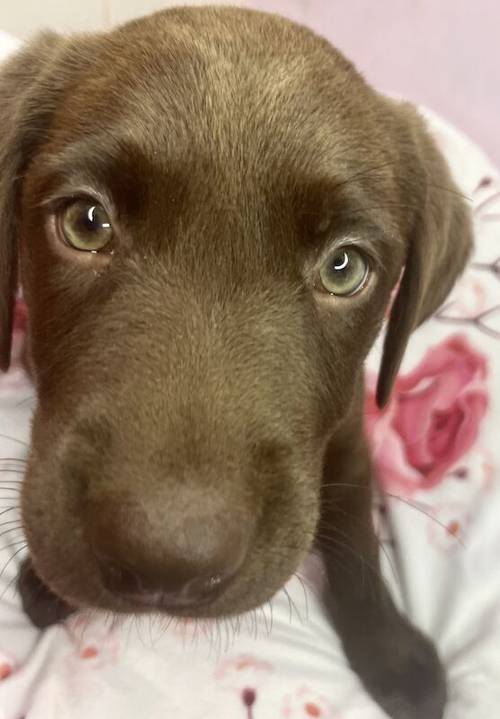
point(204, 588)
point(189, 566)
point(119, 579)
point(122, 581)
point(213, 583)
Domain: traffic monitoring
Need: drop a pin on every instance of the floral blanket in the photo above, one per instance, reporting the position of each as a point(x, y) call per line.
point(437, 451)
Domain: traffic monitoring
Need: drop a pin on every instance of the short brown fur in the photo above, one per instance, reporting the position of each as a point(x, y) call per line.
point(198, 383)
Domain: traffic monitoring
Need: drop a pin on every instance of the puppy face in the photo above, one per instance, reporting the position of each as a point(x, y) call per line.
point(214, 209)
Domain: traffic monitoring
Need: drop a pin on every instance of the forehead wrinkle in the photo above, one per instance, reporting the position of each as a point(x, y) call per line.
point(113, 167)
point(86, 156)
point(338, 210)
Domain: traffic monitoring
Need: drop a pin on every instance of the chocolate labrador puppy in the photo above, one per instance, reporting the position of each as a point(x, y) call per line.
point(210, 209)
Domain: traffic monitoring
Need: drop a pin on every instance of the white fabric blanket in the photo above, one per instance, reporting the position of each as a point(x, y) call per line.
point(438, 452)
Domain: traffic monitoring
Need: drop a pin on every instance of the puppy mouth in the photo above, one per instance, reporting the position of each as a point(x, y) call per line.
point(221, 600)
point(162, 603)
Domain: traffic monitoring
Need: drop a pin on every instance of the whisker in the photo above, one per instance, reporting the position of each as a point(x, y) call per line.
point(11, 529)
point(270, 603)
point(390, 560)
point(297, 612)
point(319, 550)
point(296, 574)
point(218, 636)
point(385, 493)
point(337, 542)
point(225, 632)
point(374, 572)
point(13, 581)
point(149, 632)
point(238, 625)
point(262, 609)
point(467, 198)
point(284, 589)
point(346, 484)
point(379, 542)
point(487, 201)
point(230, 635)
point(430, 516)
point(14, 544)
point(307, 585)
point(14, 439)
point(11, 521)
point(31, 398)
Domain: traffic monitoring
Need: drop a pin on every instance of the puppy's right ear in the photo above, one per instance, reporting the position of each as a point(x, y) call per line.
point(439, 241)
point(28, 92)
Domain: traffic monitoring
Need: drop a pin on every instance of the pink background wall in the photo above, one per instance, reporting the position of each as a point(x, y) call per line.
point(443, 53)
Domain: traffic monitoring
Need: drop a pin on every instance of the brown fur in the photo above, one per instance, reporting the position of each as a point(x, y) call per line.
point(196, 390)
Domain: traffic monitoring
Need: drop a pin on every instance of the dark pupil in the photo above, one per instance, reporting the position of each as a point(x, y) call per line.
point(93, 220)
point(343, 268)
point(341, 263)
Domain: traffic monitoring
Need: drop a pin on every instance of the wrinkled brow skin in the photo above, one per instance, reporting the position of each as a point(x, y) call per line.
point(328, 210)
point(199, 395)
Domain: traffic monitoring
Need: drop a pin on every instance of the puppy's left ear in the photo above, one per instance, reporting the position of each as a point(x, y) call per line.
point(26, 102)
point(439, 241)
point(32, 83)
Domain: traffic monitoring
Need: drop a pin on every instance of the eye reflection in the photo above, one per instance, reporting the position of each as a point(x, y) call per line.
point(344, 272)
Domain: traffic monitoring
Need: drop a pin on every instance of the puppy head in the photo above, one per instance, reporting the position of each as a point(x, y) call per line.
point(210, 209)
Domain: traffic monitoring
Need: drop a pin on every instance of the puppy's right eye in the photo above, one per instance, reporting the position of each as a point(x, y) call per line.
point(344, 273)
point(85, 226)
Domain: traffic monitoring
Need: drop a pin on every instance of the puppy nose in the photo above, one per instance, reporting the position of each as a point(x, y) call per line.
point(161, 590)
point(186, 566)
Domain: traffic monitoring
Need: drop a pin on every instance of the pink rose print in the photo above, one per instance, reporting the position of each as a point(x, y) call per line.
point(94, 642)
point(242, 668)
point(7, 666)
point(249, 697)
point(305, 703)
point(5, 670)
point(488, 466)
point(486, 207)
point(449, 532)
point(432, 420)
point(485, 182)
point(244, 675)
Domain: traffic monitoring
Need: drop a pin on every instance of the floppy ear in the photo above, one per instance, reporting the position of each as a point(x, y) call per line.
point(438, 246)
point(28, 93)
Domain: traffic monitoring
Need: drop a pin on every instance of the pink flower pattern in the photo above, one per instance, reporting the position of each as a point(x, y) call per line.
point(433, 418)
point(305, 703)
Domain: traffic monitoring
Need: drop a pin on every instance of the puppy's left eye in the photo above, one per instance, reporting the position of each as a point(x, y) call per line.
point(85, 226)
point(344, 272)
